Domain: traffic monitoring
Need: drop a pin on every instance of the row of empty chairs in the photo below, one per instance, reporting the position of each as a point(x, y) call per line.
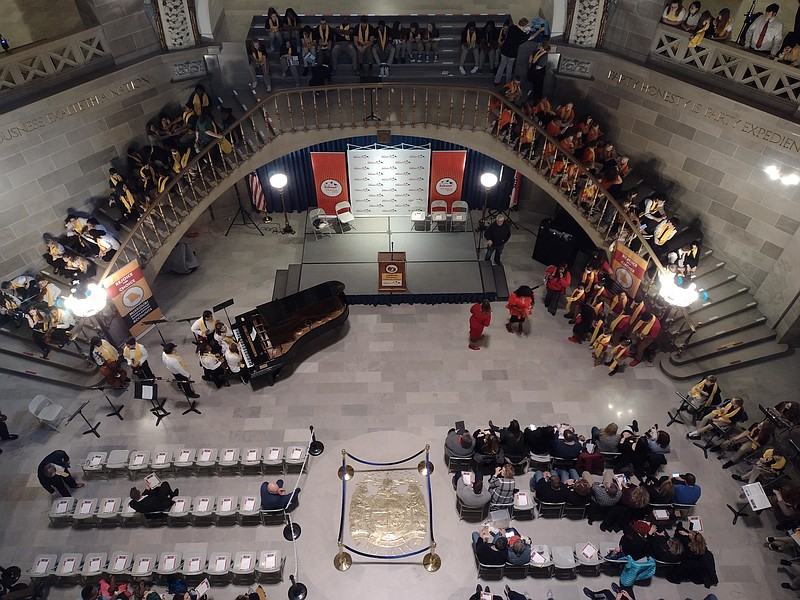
point(185, 511)
point(565, 562)
point(459, 213)
point(242, 567)
point(237, 461)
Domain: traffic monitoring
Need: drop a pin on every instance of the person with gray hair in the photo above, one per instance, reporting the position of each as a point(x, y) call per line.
point(54, 475)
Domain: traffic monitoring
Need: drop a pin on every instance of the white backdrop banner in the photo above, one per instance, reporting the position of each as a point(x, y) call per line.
point(385, 181)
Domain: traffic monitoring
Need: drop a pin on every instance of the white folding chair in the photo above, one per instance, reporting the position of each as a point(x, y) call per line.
point(219, 567)
point(62, 510)
point(68, 571)
point(419, 214)
point(345, 215)
point(44, 566)
point(95, 464)
point(194, 566)
point(226, 510)
point(184, 459)
point(459, 213)
point(273, 461)
point(269, 568)
point(294, 459)
point(228, 460)
point(129, 517)
point(588, 556)
point(206, 459)
point(250, 461)
point(108, 511)
point(94, 564)
point(320, 225)
point(85, 511)
point(117, 462)
point(438, 213)
point(119, 563)
point(169, 563)
point(202, 512)
point(162, 461)
point(180, 512)
point(564, 563)
point(249, 512)
point(143, 565)
point(46, 411)
point(243, 567)
point(541, 564)
point(138, 462)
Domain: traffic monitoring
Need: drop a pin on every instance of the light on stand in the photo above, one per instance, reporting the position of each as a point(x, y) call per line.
point(675, 294)
point(488, 181)
point(87, 302)
point(279, 181)
point(316, 447)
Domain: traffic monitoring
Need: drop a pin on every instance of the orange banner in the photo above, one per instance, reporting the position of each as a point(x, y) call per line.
point(330, 179)
point(628, 269)
point(131, 295)
point(447, 175)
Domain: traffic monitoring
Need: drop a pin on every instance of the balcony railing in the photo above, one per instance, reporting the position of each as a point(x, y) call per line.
point(355, 107)
point(729, 62)
point(29, 65)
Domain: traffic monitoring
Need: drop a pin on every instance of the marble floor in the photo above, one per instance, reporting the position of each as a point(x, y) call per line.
point(397, 380)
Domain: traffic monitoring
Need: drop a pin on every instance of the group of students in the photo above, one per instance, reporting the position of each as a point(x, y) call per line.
point(317, 48)
point(220, 355)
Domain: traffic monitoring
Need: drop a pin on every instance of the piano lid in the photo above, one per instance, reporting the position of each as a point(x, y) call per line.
point(278, 311)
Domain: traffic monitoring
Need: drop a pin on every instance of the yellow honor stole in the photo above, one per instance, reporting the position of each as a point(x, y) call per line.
point(382, 36)
point(346, 28)
point(617, 354)
point(326, 36)
point(107, 351)
point(614, 302)
point(600, 344)
point(698, 37)
point(665, 234)
point(539, 54)
point(616, 322)
point(577, 295)
point(597, 329)
point(471, 37)
point(363, 34)
point(274, 23)
point(642, 328)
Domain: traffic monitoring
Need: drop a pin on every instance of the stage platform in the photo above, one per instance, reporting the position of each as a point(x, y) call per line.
point(442, 266)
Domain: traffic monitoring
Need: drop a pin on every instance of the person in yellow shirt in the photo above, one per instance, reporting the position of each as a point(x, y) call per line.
point(723, 417)
point(770, 465)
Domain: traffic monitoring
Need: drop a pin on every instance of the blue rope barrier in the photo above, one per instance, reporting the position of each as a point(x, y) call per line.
point(385, 464)
point(344, 495)
point(368, 555)
point(430, 496)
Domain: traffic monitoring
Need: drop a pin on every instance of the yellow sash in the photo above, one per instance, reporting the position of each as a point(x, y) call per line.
point(665, 234)
point(588, 278)
point(698, 37)
point(114, 180)
point(471, 37)
point(136, 354)
point(383, 36)
point(539, 54)
point(324, 38)
point(107, 351)
point(127, 199)
point(345, 28)
point(597, 329)
point(614, 303)
point(637, 311)
point(616, 321)
point(180, 360)
point(274, 23)
point(617, 354)
point(363, 34)
point(577, 295)
point(259, 55)
point(54, 252)
point(642, 328)
point(600, 344)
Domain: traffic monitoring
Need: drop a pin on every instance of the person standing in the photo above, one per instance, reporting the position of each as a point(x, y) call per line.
point(508, 51)
point(136, 355)
point(480, 318)
point(54, 476)
point(520, 307)
point(497, 235)
point(557, 280)
point(765, 33)
point(203, 328)
point(644, 333)
point(175, 365)
point(537, 69)
point(213, 365)
point(107, 358)
point(4, 434)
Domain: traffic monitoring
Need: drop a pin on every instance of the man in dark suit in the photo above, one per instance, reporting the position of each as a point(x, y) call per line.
point(150, 501)
point(54, 475)
point(273, 496)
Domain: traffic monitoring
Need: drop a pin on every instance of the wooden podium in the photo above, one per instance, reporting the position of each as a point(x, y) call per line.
point(392, 272)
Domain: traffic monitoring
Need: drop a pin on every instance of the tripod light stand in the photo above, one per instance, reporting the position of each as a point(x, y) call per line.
point(279, 181)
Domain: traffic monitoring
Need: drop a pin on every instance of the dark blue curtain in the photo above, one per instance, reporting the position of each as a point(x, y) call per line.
point(299, 194)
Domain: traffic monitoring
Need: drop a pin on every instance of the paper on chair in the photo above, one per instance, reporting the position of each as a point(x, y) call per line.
point(538, 559)
point(220, 563)
point(205, 455)
point(274, 453)
point(226, 505)
point(169, 562)
point(42, 565)
point(109, 506)
point(161, 458)
point(119, 563)
point(138, 459)
point(203, 505)
point(522, 499)
point(228, 455)
point(184, 455)
point(179, 505)
point(86, 507)
point(250, 504)
point(61, 507)
point(297, 452)
point(143, 566)
point(269, 561)
point(194, 564)
point(96, 460)
point(252, 455)
point(68, 566)
point(589, 551)
point(94, 564)
point(245, 561)
point(147, 392)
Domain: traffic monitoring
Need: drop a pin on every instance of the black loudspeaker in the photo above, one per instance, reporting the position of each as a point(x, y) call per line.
point(554, 246)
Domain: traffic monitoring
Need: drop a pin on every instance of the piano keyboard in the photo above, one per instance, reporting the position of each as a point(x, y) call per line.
point(248, 360)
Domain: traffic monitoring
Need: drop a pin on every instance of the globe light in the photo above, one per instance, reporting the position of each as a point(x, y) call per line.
point(488, 180)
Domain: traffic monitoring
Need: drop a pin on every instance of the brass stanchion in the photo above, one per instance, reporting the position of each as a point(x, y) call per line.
point(342, 561)
point(432, 561)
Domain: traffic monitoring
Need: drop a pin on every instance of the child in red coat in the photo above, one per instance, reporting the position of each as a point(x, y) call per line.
point(520, 307)
point(480, 317)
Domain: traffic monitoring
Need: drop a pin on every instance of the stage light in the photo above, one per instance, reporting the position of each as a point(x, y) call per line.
point(90, 303)
point(488, 180)
point(278, 181)
point(675, 294)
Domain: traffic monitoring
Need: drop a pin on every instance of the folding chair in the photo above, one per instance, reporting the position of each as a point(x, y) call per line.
point(539, 462)
point(664, 568)
point(225, 513)
point(513, 571)
point(457, 463)
point(552, 510)
point(419, 214)
point(524, 506)
point(541, 564)
point(249, 512)
point(94, 565)
point(169, 563)
point(119, 563)
point(143, 566)
point(162, 461)
point(61, 511)
point(269, 568)
point(682, 510)
point(609, 565)
point(573, 511)
point(345, 215)
point(85, 510)
point(685, 406)
point(459, 213)
point(564, 564)
point(243, 567)
point(68, 571)
point(179, 514)
point(275, 516)
point(319, 223)
point(108, 511)
point(117, 462)
point(206, 460)
point(588, 556)
point(194, 567)
point(219, 568)
point(470, 514)
point(509, 507)
point(228, 460)
point(202, 512)
point(295, 459)
point(129, 517)
point(138, 463)
point(610, 459)
point(95, 464)
point(273, 461)
point(489, 572)
point(184, 459)
point(43, 567)
point(439, 213)
point(46, 411)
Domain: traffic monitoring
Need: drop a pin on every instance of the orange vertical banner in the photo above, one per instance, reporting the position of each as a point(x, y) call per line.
point(330, 179)
point(447, 175)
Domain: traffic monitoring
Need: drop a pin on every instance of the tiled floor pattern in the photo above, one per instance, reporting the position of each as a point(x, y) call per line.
point(401, 375)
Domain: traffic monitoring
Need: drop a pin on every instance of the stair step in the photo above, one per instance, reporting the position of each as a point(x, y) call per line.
point(726, 326)
point(725, 362)
point(724, 344)
point(714, 279)
point(720, 310)
point(51, 373)
point(720, 294)
point(707, 267)
point(19, 343)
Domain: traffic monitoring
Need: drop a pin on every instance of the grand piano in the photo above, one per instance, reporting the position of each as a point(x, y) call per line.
point(279, 332)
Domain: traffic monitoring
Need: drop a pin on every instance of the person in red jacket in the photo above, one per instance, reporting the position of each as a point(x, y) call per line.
point(520, 307)
point(557, 280)
point(644, 333)
point(480, 317)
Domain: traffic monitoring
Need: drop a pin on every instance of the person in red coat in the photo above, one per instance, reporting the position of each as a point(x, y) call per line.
point(520, 307)
point(557, 280)
point(480, 317)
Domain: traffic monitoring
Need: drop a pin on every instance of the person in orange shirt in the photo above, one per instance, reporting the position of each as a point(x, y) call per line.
point(594, 132)
point(512, 91)
point(566, 113)
point(585, 125)
point(526, 139)
point(520, 307)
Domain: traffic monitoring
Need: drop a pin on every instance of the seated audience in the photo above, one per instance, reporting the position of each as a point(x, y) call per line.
point(634, 540)
point(539, 440)
point(769, 466)
point(605, 494)
point(488, 455)
point(722, 26)
point(471, 495)
point(579, 492)
point(697, 562)
point(686, 489)
point(153, 501)
point(490, 551)
point(501, 485)
point(274, 497)
point(548, 487)
point(662, 547)
point(607, 439)
point(661, 491)
point(459, 444)
point(674, 14)
point(519, 548)
point(568, 447)
point(512, 441)
point(692, 17)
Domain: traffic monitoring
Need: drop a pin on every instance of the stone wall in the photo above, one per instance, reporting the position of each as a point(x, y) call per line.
point(707, 152)
point(127, 28)
point(55, 153)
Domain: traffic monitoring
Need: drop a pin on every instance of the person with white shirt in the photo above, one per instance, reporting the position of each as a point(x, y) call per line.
point(213, 366)
point(233, 357)
point(61, 323)
point(136, 356)
point(765, 34)
point(48, 292)
point(175, 365)
point(203, 328)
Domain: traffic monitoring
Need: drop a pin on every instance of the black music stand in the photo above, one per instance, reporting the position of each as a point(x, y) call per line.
point(147, 389)
point(115, 412)
point(80, 412)
point(157, 322)
point(222, 306)
point(192, 402)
